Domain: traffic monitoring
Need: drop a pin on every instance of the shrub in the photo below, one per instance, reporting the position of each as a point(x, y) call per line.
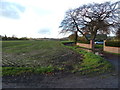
point(86, 42)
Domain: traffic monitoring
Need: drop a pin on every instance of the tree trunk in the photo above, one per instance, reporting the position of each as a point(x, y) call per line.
point(93, 36)
point(92, 45)
point(76, 37)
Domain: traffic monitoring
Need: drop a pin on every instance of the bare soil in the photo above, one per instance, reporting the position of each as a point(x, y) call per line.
point(64, 79)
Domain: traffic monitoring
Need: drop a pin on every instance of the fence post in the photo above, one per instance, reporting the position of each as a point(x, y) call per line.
point(104, 45)
point(92, 45)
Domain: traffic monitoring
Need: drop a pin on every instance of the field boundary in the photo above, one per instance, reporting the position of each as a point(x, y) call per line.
point(111, 49)
point(84, 45)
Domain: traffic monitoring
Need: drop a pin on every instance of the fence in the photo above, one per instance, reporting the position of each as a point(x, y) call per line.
point(111, 49)
point(105, 48)
point(85, 45)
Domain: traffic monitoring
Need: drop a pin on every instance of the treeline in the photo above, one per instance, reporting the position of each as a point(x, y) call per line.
point(12, 38)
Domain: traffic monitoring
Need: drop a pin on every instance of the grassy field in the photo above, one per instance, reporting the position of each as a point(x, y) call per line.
point(31, 53)
point(47, 56)
point(34, 56)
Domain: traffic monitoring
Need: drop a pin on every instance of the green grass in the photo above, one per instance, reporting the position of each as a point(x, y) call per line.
point(32, 56)
point(31, 53)
point(84, 41)
point(21, 57)
point(66, 41)
point(25, 46)
point(84, 47)
point(91, 63)
point(22, 70)
point(14, 43)
point(98, 46)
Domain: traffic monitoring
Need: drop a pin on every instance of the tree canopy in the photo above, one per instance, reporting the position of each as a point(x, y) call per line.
point(92, 19)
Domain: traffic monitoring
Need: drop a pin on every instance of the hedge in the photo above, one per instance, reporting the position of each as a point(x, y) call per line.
point(86, 42)
point(113, 43)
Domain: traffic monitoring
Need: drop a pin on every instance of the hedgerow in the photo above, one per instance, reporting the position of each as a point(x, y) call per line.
point(112, 43)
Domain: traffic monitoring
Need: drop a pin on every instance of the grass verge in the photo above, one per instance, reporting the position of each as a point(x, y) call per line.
point(91, 63)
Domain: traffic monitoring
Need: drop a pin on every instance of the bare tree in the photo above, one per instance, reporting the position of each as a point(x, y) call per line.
point(98, 18)
point(70, 23)
point(92, 19)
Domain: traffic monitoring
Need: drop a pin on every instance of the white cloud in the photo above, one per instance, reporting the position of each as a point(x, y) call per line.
point(39, 15)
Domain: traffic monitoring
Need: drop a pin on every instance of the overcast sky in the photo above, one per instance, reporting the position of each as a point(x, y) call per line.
point(36, 18)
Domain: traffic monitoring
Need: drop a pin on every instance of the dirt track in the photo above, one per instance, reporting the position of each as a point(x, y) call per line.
point(62, 81)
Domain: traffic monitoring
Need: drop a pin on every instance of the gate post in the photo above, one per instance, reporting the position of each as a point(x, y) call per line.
point(92, 45)
point(104, 45)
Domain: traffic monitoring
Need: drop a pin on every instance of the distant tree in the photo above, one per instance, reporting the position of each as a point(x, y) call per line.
point(23, 38)
point(1, 37)
point(5, 38)
point(72, 37)
point(13, 37)
point(92, 19)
